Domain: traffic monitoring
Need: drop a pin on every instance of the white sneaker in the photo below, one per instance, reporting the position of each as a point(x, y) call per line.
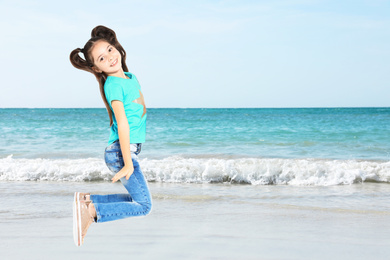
point(82, 219)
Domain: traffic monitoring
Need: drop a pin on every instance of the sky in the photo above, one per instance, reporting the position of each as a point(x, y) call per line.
point(207, 54)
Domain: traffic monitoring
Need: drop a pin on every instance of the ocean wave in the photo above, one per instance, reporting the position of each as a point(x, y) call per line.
point(175, 169)
point(90, 169)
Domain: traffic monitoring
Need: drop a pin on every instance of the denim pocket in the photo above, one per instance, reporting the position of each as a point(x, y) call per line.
point(113, 157)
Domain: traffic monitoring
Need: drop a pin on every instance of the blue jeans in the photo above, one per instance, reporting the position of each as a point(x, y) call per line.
point(137, 202)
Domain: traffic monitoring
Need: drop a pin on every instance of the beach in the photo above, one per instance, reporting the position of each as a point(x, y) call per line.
point(226, 184)
point(202, 221)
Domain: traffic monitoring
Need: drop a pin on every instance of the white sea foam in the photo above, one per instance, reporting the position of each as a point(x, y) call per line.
point(90, 169)
point(259, 171)
point(255, 171)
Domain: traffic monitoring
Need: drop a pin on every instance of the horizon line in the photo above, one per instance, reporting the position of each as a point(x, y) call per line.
point(200, 107)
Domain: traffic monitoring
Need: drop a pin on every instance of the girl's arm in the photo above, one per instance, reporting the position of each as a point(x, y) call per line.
point(124, 140)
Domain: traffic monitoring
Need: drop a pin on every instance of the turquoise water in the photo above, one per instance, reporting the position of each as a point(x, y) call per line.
point(335, 133)
point(252, 144)
point(357, 133)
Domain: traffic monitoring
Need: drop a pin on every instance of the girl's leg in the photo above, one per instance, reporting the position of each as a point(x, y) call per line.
point(102, 208)
point(137, 203)
point(114, 162)
point(111, 198)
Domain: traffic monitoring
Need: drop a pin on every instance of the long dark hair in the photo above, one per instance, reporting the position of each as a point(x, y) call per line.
point(98, 33)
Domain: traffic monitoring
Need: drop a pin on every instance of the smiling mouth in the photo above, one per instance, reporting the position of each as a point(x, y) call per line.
point(114, 63)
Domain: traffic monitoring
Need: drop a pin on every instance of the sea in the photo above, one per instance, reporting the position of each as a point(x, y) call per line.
point(256, 146)
point(227, 183)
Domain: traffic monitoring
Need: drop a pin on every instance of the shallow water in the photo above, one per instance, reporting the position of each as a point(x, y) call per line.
point(202, 221)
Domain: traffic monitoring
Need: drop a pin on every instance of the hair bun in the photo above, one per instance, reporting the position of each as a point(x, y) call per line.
point(101, 31)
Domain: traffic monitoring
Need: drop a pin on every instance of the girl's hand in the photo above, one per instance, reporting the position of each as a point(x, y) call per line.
point(127, 171)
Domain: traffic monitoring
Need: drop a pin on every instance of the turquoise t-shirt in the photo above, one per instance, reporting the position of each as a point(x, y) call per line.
point(127, 91)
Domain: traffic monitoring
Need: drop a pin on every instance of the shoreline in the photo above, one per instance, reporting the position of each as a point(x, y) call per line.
point(202, 221)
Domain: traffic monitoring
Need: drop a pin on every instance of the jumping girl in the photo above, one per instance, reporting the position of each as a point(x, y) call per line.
point(106, 59)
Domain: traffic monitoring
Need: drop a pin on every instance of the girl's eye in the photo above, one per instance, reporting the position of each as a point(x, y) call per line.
point(110, 49)
point(101, 59)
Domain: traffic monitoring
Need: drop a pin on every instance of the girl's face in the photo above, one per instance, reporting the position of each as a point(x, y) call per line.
point(107, 59)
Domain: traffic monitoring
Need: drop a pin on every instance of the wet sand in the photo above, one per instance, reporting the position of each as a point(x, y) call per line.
point(212, 221)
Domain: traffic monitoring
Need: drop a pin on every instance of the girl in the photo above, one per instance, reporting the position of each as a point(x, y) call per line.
point(106, 59)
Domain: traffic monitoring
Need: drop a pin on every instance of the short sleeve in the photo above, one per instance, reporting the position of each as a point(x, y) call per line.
point(114, 92)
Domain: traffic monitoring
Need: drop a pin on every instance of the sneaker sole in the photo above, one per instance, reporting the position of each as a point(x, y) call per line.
point(76, 220)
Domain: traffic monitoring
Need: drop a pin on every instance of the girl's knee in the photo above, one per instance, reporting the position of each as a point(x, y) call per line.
point(147, 207)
